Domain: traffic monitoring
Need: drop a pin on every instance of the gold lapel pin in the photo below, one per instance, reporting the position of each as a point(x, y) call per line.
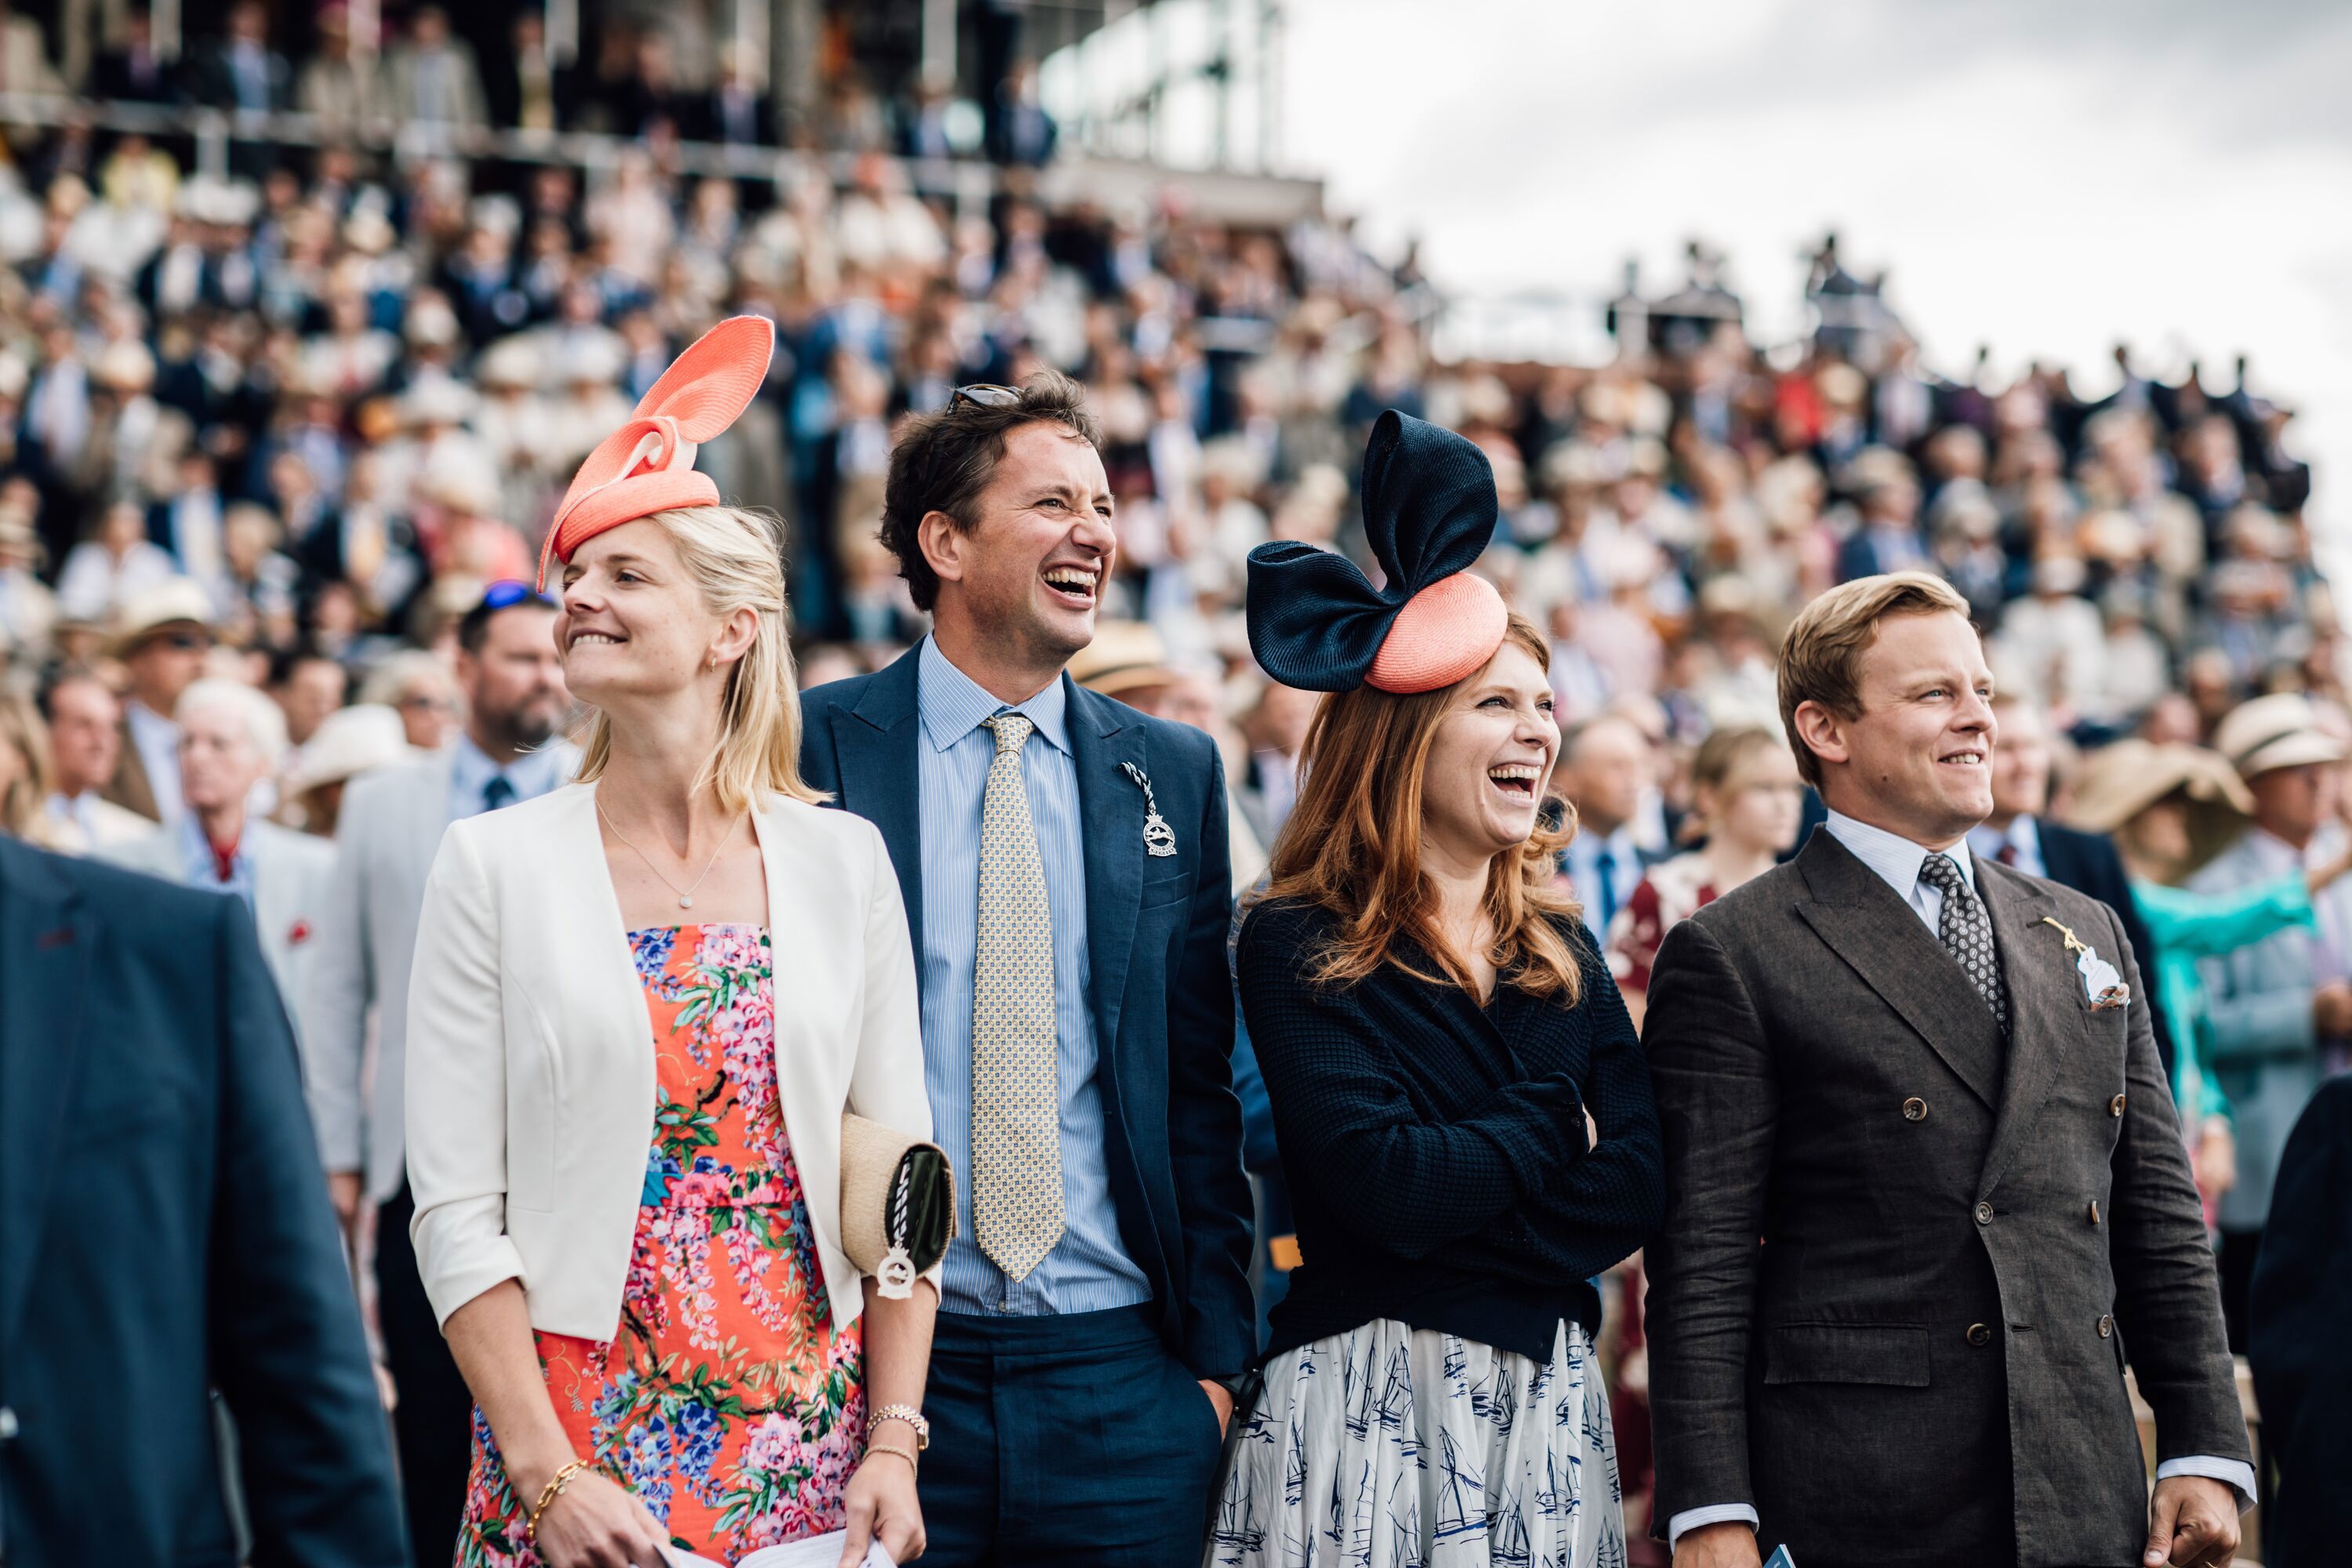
point(2074, 942)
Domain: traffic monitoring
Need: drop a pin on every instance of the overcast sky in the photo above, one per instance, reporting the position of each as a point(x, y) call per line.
point(2046, 178)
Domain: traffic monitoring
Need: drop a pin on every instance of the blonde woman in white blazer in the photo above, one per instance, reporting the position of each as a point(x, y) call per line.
point(639, 1008)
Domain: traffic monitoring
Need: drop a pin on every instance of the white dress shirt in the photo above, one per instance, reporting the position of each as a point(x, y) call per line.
point(1898, 861)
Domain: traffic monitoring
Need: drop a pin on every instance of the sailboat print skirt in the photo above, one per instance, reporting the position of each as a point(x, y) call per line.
point(1390, 1447)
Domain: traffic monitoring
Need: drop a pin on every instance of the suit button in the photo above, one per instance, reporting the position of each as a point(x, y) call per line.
point(2106, 1326)
point(1915, 1109)
point(7, 1425)
point(2094, 1211)
point(1980, 1335)
point(2116, 1106)
point(1984, 1214)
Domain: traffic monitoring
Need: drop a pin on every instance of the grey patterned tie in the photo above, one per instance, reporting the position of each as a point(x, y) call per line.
point(1016, 1100)
point(1966, 932)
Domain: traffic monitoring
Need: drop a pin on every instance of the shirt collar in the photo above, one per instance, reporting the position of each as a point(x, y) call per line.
point(952, 704)
point(471, 769)
point(2024, 835)
point(203, 860)
point(1894, 858)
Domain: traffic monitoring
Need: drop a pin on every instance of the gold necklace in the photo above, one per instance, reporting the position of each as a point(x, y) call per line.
point(685, 894)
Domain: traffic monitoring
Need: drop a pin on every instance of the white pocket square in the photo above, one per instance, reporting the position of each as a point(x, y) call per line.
point(2102, 986)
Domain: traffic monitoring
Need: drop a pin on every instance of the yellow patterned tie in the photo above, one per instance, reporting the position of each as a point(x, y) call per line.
point(1016, 1100)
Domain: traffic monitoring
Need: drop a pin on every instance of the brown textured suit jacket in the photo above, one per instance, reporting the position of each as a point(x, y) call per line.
point(1905, 1259)
point(130, 788)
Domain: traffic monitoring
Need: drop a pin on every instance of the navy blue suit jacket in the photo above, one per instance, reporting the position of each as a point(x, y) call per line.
point(1161, 1001)
point(2295, 1335)
point(165, 1230)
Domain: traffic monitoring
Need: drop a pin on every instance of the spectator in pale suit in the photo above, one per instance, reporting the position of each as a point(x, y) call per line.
point(389, 828)
point(232, 738)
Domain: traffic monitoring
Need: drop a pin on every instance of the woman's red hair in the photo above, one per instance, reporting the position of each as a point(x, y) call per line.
point(1352, 845)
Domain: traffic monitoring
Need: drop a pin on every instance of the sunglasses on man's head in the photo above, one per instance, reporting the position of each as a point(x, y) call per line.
point(507, 593)
point(185, 642)
point(986, 395)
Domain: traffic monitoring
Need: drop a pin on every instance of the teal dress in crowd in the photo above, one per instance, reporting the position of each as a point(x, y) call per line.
point(2185, 927)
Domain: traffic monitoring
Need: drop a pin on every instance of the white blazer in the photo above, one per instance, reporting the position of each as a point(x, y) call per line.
point(530, 1055)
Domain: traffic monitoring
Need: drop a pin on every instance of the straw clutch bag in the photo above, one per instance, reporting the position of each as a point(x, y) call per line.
point(897, 1204)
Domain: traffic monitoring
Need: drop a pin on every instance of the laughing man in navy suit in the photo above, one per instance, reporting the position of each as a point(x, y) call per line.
point(1063, 865)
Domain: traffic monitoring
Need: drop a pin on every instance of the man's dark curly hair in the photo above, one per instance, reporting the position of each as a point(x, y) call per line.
point(943, 461)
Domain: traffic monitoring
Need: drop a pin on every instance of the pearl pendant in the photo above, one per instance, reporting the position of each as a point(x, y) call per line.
point(686, 900)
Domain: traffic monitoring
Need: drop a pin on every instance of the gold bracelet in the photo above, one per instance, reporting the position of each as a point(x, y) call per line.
point(904, 1454)
point(907, 1413)
point(553, 1489)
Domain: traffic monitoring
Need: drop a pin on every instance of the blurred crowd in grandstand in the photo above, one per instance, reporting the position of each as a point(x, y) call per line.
point(286, 425)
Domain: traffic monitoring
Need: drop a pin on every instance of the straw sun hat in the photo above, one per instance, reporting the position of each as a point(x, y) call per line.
point(2120, 781)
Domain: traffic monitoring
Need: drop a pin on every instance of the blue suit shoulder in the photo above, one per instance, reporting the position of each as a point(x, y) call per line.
point(133, 905)
point(1165, 736)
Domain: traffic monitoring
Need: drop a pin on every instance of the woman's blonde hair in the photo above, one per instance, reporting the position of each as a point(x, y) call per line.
point(23, 805)
point(1352, 845)
point(1728, 753)
point(737, 558)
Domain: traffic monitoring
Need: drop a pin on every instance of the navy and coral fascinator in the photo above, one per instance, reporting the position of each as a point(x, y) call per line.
point(1316, 623)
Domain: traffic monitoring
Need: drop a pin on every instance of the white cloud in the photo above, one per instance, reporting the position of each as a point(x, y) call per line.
point(2048, 188)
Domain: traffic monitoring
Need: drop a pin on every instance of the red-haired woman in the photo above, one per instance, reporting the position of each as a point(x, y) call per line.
point(1434, 1028)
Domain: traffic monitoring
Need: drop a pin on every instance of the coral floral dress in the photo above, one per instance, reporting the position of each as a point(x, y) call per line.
point(726, 1399)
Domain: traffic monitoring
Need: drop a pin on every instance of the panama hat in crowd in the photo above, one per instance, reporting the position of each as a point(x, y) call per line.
point(154, 612)
point(2281, 730)
point(1126, 656)
point(350, 741)
point(2120, 781)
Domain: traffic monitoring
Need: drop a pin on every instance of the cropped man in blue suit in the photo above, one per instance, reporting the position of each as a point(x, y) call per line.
point(1064, 865)
point(163, 1233)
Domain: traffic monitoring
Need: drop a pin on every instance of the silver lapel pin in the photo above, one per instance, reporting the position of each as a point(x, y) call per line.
point(1159, 838)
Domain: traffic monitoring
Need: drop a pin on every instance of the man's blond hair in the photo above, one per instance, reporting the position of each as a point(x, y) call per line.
point(1820, 657)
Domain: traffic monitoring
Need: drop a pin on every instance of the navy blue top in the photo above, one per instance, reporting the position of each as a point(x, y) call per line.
point(1435, 1150)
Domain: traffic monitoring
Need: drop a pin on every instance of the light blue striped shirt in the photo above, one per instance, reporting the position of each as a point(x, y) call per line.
point(1088, 1270)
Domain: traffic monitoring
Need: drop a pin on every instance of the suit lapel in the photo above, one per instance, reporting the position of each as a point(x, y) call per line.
point(2045, 1005)
point(1111, 812)
point(1871, 927)
point(881, 775)
point(47, 939)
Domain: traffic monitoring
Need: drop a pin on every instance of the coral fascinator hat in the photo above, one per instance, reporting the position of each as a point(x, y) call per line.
point(1316, 623)
point(648, 465)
